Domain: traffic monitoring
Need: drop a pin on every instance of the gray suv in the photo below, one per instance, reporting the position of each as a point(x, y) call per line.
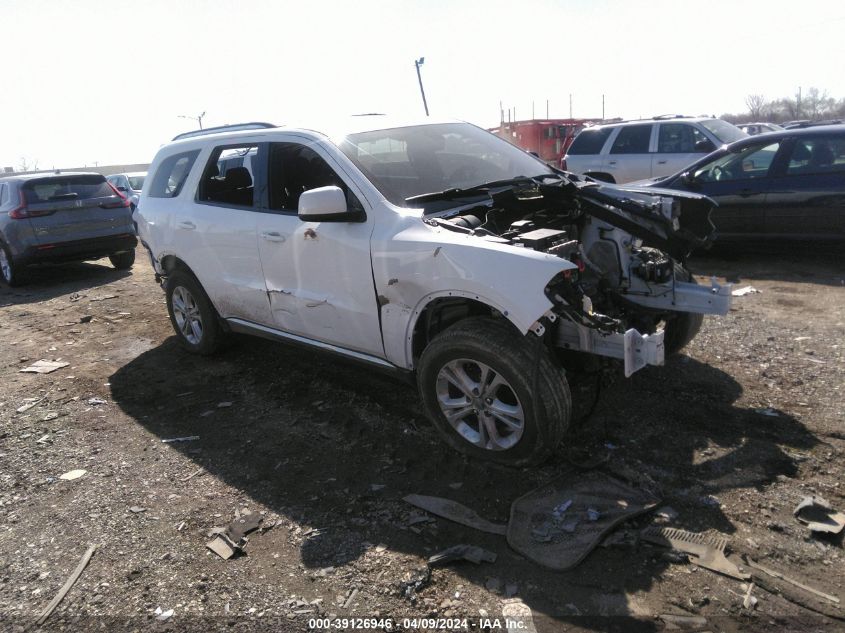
point(57, 217)
point(635, 150)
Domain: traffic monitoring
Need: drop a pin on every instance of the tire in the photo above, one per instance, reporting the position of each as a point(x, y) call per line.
point(10, 272)
point(528, 390)
point(194, 319)
point(123, 261)
point(681, 327)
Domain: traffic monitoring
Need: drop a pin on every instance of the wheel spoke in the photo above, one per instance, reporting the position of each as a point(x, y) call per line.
point(489, 425)
point(496, 382)
point(457, 415)
point(456, 374)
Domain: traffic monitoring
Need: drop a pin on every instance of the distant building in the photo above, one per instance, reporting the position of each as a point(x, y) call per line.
point(547, 138)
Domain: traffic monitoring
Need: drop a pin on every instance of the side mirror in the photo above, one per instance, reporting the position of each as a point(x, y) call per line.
point(688, 178)
point(326, 204)
point(704, 145)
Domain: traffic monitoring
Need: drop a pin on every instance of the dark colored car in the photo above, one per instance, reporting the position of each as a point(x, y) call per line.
point(783, 185)
point(57, 217)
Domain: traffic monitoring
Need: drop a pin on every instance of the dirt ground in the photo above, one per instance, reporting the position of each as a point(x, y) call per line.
point(733, 434)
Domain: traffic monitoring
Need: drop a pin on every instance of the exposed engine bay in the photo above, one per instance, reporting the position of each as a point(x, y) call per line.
point(629, 245)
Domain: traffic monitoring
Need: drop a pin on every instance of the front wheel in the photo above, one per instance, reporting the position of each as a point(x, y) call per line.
point(123, 261)
point(492, 394)
point(192, 315)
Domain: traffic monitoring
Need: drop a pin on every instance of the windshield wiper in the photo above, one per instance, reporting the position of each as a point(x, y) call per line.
point(64, 196)
point(451, 194)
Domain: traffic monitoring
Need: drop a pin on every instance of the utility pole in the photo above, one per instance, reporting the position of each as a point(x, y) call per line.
point(419, 62)
point(570, 105)
point(602, 107)
point(547, 108)
point(197, 118)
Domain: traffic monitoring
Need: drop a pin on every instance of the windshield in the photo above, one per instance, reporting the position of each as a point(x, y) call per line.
point(136, 182)
point(410, 161)
point(723, 131)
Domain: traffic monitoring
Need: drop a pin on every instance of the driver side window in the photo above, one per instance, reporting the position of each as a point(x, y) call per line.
point(752, 162)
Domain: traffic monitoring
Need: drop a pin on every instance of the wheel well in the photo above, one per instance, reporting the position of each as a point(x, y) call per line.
point(601, 176)
point(169, 263)
point(442, 314)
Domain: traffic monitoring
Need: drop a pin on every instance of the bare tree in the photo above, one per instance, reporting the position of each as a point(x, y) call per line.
point(24, 165)
point(818, 105)
point(758, 106)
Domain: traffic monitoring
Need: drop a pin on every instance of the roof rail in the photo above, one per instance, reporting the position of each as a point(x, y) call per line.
point(666, 117)
point(254, 125)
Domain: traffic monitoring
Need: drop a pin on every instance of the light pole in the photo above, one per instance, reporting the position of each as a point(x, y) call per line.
point(198, 118)
point(419, 62)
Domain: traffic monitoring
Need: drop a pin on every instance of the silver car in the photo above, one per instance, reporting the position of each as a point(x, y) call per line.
point(636, 150)
point(129, 184)
point(54, 217)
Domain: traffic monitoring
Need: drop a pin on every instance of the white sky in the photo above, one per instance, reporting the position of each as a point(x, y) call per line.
point(89, 81)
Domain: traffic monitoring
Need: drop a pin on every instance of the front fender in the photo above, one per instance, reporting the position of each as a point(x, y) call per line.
point(424, 263)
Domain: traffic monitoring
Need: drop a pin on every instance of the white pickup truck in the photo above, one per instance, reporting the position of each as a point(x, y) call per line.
point(430, 248)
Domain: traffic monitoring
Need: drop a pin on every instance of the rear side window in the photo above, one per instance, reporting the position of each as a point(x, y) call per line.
point(681, 138)
point(589, 141)
point(229, 178)
point(4, 194)
point(632, 139)
point(171, 175)
point(69, 187)
point(817, 155)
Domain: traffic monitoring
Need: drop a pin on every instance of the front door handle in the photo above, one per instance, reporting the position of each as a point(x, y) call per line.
point(273, 236)
point(188, 226)
point(661, 162)
point(612, 162)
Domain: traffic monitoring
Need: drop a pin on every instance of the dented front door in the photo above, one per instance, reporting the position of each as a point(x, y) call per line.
point(318, 274)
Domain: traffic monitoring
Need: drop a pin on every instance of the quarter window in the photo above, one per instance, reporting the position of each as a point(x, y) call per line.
point(171, 175)
point(632, 139)
point(751, 162)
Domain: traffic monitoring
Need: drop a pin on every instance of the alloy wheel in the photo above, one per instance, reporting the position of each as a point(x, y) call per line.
point(480, 405)
point(187, 315)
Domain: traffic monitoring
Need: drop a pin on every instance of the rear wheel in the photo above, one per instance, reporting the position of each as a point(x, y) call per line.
point(123, 261)
point(192, 315)
point(681, 327)
point(492, 395)
point(9, 271)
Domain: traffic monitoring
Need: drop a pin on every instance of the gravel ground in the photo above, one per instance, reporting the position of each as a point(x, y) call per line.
point(732, 434)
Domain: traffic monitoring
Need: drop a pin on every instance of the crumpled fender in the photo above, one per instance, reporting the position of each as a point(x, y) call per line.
point(421, 257)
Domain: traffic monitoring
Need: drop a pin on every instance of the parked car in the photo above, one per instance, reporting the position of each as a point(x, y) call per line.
point(55, 217)
point(633, 150)
point(784, 185)
point(435, 250)
point(752, 129)
point(130, 185)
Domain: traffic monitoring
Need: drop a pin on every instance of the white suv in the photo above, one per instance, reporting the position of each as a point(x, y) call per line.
point(437, 250)
point(636, 150)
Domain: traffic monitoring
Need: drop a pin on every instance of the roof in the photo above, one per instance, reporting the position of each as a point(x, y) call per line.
point(782, 134)
point(50, 174)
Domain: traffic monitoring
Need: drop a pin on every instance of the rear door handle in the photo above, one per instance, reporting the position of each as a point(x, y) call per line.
point(612, 162)
point(188, 226)
point(661, 162)
point(273, 236)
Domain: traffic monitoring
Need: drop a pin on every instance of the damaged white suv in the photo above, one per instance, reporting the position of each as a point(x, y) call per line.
point(436, 249)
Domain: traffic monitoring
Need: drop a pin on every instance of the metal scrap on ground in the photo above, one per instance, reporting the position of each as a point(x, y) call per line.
point(232, 539)
point(471, 553)
point(745, 290)
point(456, 512)
point(780, 576)
point(818, 515)
point(705, 551)
point(66, 587)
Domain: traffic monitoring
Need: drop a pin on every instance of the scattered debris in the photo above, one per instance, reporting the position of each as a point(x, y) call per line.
point(352, 595)
point(193, 474)
point(705, 551)
point(188, 438)
point(456, 512)
point(96, 401)
point(376, 487)
point(780, 576)
point(137, 509)
point(688, 622)
point(745, 290)
point(44, 367)
point(51, 415)
point(86, 318)
point(818, 515)
point(73, 474)
point(224, 405)
point(415, 581)
point(232, 539)
point(749, 601)
point(768, 412)
point(102, 298)
point(667, 512)
point(163, 616)
point(471, 553)
point(560, 540)
point(68, 584)
point(30, 402)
